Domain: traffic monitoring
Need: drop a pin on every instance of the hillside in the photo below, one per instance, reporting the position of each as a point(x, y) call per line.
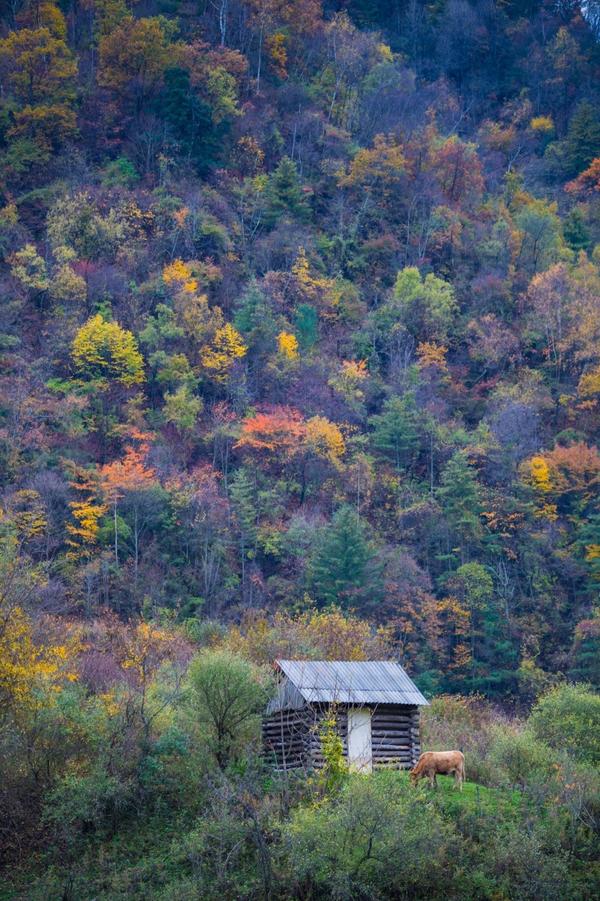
point(299, 355)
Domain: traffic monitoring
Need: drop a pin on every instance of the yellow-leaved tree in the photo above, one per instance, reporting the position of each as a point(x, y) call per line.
point(219, 357)
point(87, 511)
point(287, 345)
point(325, 439)
point(105, 352)
point(27, 666)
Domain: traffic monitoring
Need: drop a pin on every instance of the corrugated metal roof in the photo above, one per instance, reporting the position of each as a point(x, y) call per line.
point(350, 682)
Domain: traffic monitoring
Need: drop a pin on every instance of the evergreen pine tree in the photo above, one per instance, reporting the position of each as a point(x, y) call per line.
point(284, 194)
point(395, 429)
point(190, 119)
point(575, 231)
point(242, 492)
point(459, 498)
point(588, 542)
point(306, 324)
point(340, 568)
point(586, 651)
point(254, 319)
point(582, 143)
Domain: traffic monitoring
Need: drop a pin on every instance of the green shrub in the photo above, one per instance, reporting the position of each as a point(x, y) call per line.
point(568, 719)
point(377, 839)
point(225, 697)
point(526, 866)
point(518, 758)
point(96, 801)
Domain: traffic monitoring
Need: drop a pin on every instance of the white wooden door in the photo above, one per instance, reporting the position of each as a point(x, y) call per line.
point(359, 740)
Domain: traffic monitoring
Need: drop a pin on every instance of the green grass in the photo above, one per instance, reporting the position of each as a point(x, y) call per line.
point(503, 803)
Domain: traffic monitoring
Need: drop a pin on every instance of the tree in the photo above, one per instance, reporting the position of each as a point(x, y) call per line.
point(427, 306)
point(549, 297)
point(284, 194)
point(493, 657)
point(575, 231)
point(190, 119)
point(340, 567)
point(588, 540)
point(220, 356)
point(457, 169)
point(395, 429)
point(565, 479)
point(287, 345)
point(277, 432)
point(87, 512)
point(380, 167)
point(225, 697)
point(585, 653)
point(104, 352)
point(40, 75)
point(182, 408)
point(307, 325)
point(329, 634)
point(30, 269)
point(587, 183)
point(200, 526)
point(243, 491)
point(134, 56)
point(582, 142)
point(541, 239)
point(129, 476)
point(459, 498)
point(324, 439)
point(27, 666)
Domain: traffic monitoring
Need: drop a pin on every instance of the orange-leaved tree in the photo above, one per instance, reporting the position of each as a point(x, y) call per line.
point(128, 476)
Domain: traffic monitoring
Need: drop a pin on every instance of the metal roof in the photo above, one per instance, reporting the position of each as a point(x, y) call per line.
point(346, 682)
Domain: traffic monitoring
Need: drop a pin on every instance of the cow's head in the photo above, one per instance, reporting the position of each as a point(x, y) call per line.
point(413, 776)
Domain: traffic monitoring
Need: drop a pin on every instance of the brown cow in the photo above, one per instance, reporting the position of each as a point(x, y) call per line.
point(445, 763)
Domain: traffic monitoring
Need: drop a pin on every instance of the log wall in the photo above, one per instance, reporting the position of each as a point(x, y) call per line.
point(291, 737)
point(395, 736)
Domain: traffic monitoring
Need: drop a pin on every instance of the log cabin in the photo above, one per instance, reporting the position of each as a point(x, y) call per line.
point(376, 707)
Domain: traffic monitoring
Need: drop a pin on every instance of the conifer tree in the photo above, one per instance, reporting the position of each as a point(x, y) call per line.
point(340, 568)
point(582, 143)
point(284, 194)
point(459, 497)
point(395, 429)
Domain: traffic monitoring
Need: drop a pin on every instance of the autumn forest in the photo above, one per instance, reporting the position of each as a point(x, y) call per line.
point(299, 356)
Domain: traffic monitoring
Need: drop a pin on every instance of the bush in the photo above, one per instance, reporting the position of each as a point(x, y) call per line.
point(82, 804)
point(518, 758)
point(225, 696)
point(568, 719)
point(529, 866)
point(379, 839)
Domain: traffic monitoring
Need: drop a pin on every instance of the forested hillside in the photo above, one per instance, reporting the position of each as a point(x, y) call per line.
point(299, 354)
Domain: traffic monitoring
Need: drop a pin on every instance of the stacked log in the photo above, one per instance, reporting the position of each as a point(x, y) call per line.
point(292, 738)
point(393, 735)
point(286, 738)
